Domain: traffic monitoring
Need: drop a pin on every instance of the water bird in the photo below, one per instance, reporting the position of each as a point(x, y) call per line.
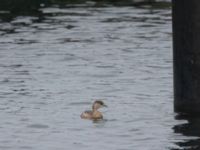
point(94, 114)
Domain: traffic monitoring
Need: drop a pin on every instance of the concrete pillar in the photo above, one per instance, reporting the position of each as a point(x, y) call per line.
point(186, 50)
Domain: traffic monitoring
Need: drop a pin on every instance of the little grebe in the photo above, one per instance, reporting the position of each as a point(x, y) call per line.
point(94, 113)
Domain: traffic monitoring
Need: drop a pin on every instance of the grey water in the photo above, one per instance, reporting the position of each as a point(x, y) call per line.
point(53, 67)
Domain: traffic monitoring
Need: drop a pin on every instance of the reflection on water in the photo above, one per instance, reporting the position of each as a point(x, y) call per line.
point(56, 61)
point(190, 130)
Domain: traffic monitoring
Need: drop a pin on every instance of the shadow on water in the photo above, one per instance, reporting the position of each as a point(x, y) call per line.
point(9, 9)
point(30, 11)
point(191, 130)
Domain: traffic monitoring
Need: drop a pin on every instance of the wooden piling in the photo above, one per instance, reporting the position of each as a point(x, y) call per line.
point(186, 55)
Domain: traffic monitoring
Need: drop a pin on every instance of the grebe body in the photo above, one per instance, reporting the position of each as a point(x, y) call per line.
point(94, 114)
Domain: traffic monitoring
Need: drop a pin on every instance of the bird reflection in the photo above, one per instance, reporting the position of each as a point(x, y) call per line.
point(189, 129)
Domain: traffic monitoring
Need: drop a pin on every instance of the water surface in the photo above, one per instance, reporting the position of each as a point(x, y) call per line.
point(53, 67)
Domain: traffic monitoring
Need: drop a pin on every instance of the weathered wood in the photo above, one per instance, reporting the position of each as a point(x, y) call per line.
point(186, 50)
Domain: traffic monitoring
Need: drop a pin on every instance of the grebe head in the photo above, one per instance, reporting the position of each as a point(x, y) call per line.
point(98, 104)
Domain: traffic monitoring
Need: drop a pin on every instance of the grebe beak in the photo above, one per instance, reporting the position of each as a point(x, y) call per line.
point(104, 105)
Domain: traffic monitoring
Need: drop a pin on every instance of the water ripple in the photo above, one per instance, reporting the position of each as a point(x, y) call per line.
point(55, 64)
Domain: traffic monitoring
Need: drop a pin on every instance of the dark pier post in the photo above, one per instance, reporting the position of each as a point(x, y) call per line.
point(186, 46)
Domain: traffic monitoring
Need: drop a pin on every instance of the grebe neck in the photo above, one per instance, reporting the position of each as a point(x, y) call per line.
point(94, 110)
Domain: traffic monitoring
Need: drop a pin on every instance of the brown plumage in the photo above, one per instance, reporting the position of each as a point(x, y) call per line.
point(94, 114)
